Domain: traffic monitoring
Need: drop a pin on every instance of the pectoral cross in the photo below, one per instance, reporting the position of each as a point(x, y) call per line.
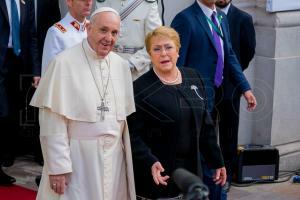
point(102, 109)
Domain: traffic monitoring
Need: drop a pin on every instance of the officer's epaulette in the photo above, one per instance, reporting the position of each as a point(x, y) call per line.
point(60, 27)
point(76, 25)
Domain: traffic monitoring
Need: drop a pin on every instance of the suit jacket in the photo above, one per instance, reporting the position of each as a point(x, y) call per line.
point(198, 50)
point(29, 51)
point(242, 35)
point(48, 13)
point(154, 135)
point(243, 41)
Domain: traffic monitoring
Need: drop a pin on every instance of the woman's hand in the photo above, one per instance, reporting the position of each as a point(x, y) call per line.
point(220, 176)
point(59, 182)
point(156, 170)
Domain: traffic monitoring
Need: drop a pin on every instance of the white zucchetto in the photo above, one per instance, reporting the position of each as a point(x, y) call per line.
point(104, 9)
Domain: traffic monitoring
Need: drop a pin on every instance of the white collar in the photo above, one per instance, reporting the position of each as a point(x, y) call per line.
point(207, 11)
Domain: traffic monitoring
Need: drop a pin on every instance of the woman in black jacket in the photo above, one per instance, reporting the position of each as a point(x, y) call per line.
point(171, 127)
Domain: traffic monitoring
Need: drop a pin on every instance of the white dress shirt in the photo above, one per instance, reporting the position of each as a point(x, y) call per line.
point(8, 6)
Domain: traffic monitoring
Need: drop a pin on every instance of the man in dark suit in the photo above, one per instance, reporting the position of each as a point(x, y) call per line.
point(18, 61)
point(243, 43)
point(206, 46)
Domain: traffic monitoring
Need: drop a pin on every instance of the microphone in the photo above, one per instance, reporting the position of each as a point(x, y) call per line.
point(190, 184)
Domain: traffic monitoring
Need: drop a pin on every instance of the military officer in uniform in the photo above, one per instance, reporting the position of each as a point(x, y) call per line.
point(139, 17)
point(67, 32)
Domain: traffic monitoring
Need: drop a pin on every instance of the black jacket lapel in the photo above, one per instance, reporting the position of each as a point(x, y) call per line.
point(4, 9)
point(200, 16)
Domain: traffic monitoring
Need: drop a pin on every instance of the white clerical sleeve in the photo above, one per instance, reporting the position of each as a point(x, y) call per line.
point(52, 46)
point(141, 59)
point(55, 142)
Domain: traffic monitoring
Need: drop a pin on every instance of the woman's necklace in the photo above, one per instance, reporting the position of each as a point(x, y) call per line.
point(166, 81)
point(103, 108)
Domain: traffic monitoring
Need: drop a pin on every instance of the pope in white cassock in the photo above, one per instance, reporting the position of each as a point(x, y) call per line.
point(83, 99)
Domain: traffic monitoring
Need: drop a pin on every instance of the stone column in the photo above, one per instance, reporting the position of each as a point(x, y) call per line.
point(277, 83)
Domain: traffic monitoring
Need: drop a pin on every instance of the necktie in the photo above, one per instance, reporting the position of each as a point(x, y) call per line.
point(15, 28)
point(220, 63)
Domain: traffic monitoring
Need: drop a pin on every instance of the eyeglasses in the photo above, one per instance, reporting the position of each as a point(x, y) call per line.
point(166, 48)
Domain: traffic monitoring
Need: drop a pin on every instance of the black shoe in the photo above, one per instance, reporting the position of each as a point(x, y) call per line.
point(6, 179)
point(38, 180)
point(226, 187)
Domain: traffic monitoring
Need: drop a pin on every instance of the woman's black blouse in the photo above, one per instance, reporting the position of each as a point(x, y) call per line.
point(163, 129)
point(181, 112)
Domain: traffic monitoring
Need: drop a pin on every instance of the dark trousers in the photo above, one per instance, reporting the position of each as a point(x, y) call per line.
point(228, 132)
point(226, 117)
point(226, 114)
point(215, 191)
point(15, 94)
point(11, 104)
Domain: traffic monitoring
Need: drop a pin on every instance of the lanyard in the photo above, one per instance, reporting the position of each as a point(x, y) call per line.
point(216, 29)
